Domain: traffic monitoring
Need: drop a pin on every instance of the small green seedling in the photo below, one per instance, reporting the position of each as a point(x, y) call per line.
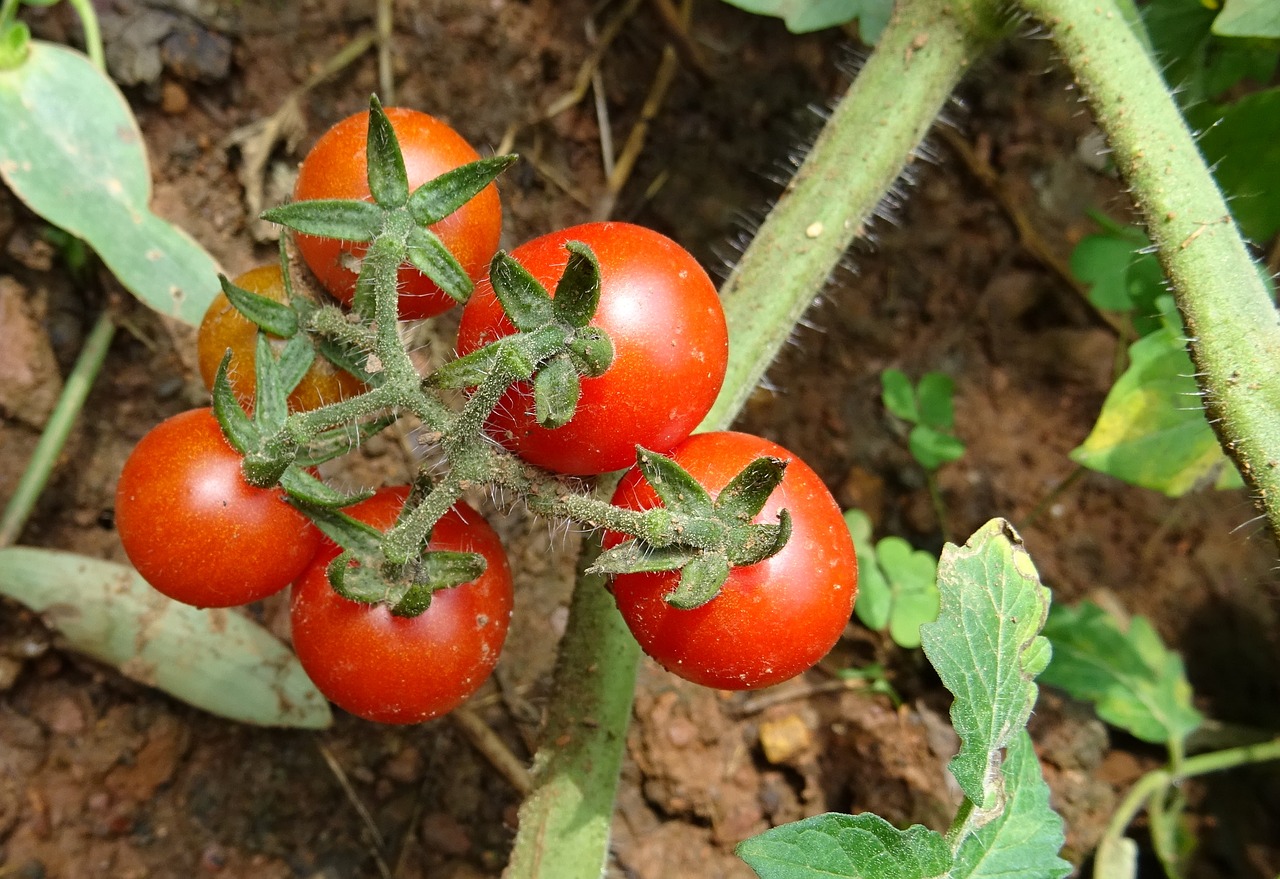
point(897, 584)
point(930, 408)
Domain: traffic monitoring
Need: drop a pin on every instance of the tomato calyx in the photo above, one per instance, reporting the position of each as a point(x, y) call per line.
point(553, 345)
point(701, 537)
point(396, 210)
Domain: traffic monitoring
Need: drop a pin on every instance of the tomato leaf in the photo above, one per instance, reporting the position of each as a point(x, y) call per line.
point(1242, 143)
point(388, 180)
point(526, 302)
point(746, 494)
point(1024, 840)
point(438, 198)
point(1134, 681)
point(92, 179)
point(848, 847)
point(273, 317)
point(329, 218)
point(680, 493)
point(804, 16)
point(638, 557)
point(700, 580)
point(217, 660)
point(1152, 431)
point(578, 290)
point(556, 390)
point(992, 605)
point(1248, 18)
point(429, 256)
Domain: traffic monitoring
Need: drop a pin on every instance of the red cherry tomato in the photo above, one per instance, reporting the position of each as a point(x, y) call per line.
point(393, 669)
point(771, 620)
point(337, 167)
point(193, 527)
point(223, 327)
point(670, 349)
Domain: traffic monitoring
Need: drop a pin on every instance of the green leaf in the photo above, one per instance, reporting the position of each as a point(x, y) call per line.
point(526, 303)
point(1152, 430)
point(578, 290)
point(429, 256)
point(986, 648)
point(273, 317)
point(1102, 263)
point(932, 448)
point(217, 660)
point(1242, 143)
point(912, 578)
point(1024, 840)
point(556, 389)
point(71, 150)
point(874, 602)
point(847, 846)
point(936, 395)
point(1249, 18)
point(804, 16)
point(1134, 681)
point(388, 181)
point(439, 197)
point(330, 218)
point(899, 395)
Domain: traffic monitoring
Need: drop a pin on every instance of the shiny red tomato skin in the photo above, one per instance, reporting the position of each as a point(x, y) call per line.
point(772, 620)
point(192, 526)
point(403, 670)
point(337, 167)
point(670, 350)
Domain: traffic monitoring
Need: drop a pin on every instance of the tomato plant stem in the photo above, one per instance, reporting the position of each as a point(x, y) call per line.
point(45, 456)
point(1231, 321)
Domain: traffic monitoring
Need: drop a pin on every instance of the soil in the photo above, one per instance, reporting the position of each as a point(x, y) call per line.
point(101, 777)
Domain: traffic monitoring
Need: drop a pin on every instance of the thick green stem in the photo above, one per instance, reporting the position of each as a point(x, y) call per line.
point(929, 44)
point(1233, 326)
point(860, 154)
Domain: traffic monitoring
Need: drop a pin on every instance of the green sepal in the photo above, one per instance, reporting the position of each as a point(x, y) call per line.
point(360, 583)
point(746, 493)
point(273, 317)
point(515, 361)
point(639, 557)
point(388, 180)
point(347, 360)
point(556, 390)
point(15, 44)
point(592, 352)
point(302, 486)
point(355, 537)
point(578, 291)
point(339, 441)
point(236, 425)
point(344, 219)
point(468, 371)
point(438, 569)
point(700, 581)
point(438, 198)
point(276, 379)
point(680, 493)
point(525, 301)
point(762, 542)
point(429, 256)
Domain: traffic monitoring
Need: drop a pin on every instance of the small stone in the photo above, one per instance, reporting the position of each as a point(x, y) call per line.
point(173, 98)
point(443, 833)
point(785, 739)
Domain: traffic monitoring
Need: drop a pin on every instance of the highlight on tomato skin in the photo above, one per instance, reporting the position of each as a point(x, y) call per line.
point(223, 327)
point(195, 529)
point(402, 670)
point(772, 620)
point(337, 168)
point(670, 350)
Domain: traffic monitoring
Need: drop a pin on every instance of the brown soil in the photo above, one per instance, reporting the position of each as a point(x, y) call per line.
point(100, 777)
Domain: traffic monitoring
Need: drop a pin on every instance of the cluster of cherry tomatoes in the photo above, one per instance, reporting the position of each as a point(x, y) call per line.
point(201, 534)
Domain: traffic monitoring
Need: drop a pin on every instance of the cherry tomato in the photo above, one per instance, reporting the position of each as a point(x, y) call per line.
point(771, 620)
point(670, 349)
point(337, 167)
point(193, 527)
point(393, 669)
point(223, 327)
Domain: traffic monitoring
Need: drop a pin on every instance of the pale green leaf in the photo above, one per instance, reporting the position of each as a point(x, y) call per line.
point(1249, 18)
point(936, 393)
point(846, 846)
point(1152, 430)
point(986, 647)
point(1242, 143)
point(932, 448)
point(898, 395)
point(912, 576)
point(1134, 681)
point(1024, 840)
point(218, 660)
point(803, 16)
point(71, 150)
point(874, 601)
